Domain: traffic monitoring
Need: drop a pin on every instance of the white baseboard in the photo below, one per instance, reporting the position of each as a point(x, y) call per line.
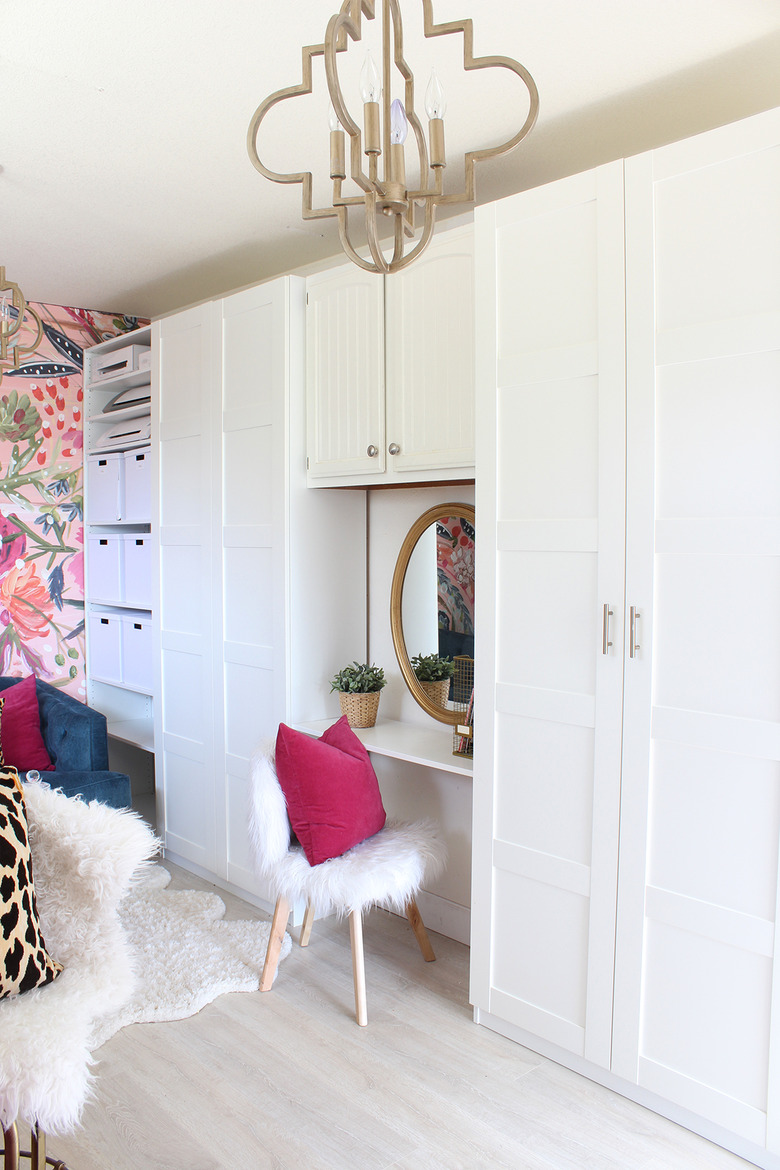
point(445, 917)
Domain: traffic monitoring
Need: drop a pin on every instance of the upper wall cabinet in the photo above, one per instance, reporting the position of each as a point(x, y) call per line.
point(390, 370)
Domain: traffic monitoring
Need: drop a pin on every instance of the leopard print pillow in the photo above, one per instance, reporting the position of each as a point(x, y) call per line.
point(24, 962)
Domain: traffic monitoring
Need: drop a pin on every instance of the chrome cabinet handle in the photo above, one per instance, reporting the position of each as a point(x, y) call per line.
point(394, 449)
point(633, 645)
point(607, 613)
point(372, 451)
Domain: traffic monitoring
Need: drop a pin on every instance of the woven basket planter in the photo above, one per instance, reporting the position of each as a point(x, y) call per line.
point(360, 709)
point(438, 692)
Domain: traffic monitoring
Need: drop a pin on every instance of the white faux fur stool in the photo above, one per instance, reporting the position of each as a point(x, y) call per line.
point(385, 870)
point(84, 857)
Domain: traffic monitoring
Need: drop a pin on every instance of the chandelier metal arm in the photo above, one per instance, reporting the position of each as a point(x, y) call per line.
point(389, 193)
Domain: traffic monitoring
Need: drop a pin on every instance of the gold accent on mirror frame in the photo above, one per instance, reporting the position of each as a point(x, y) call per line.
point(396, 597)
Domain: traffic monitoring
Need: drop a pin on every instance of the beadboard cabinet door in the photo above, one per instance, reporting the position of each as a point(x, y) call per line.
point(697, 1003)
point(345, 374)
point(390, 370)
point(185, 730)
point(429, 358)
point(550, 502)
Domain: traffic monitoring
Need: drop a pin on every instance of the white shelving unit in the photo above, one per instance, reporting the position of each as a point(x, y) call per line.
point(126, 702)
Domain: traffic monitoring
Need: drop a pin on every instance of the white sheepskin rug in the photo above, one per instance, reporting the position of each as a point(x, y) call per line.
point(84, 858)
point(130, 951)
point(185, 952)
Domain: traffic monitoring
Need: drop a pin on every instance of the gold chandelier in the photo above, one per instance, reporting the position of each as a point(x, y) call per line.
point(10, 325)
point(386, 122)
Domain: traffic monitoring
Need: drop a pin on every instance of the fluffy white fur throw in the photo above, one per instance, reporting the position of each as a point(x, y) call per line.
point(84, 857)
point(385, 870)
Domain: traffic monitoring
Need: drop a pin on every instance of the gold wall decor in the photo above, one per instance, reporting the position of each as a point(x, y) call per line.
point(13, 312)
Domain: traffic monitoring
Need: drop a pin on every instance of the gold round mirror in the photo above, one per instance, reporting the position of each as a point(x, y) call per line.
point(432, 598)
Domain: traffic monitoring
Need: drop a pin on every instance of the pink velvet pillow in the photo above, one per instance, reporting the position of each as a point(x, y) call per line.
point(20, 728)
point(331, 790)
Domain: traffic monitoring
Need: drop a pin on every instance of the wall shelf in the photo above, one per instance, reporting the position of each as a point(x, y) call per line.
point(138, 732)
point(428, 747)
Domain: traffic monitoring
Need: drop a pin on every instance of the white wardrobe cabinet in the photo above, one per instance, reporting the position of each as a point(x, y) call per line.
point(390, 379)
point(627, 784)
point(250, 628)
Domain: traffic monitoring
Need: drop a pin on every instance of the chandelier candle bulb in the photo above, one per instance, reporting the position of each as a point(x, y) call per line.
point(370, 81)
point(435, 101)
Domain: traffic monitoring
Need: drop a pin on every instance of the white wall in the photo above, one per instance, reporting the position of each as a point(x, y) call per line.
point(409, 791)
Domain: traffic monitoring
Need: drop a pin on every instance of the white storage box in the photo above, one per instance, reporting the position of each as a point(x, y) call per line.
point(138, 486)
point(121, 361)
point(105, 647)
point(105, 567)
point(137, 666)
point(137, 561)
point(105, 487)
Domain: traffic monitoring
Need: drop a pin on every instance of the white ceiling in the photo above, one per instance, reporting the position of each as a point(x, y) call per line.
point(125, 182)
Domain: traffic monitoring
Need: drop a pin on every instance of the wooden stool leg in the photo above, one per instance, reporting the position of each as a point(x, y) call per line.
point(308, 923)
point(420, 933)
point(278, 927)
point(11, 1147)
point(358, 966)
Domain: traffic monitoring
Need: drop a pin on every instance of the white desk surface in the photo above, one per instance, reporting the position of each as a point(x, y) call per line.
point(429, 747)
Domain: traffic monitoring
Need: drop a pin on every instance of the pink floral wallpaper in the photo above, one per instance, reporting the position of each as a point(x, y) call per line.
point(41, 498)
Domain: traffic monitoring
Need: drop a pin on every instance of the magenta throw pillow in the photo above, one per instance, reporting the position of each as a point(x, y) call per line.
point(20, 728)
point(331, 790)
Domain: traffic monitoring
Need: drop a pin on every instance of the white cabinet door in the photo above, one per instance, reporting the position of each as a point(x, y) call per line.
point(697, 1005)
point(254, 335)
point(429, 321)
point(345, 378)
point(184, 714)
point(550, 508)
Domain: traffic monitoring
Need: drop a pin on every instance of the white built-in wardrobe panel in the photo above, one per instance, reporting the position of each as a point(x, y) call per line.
point(254, 344)
point(697, 990)
point(550, 295)
point(184, 732)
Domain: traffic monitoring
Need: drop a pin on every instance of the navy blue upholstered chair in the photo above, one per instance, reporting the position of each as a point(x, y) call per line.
point(76, 738)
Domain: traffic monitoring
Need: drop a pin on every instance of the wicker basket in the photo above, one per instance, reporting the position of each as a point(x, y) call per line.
point(360, 709)
point(438, 692)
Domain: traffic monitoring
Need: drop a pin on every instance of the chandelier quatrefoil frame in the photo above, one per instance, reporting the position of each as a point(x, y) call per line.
point(386, 194)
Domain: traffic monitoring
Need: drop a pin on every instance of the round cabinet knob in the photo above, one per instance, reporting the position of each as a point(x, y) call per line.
point(394, 449)
point(372, 451)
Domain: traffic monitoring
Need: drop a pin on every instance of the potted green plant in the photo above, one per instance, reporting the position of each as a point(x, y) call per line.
point(359, 686)
point(434, 673)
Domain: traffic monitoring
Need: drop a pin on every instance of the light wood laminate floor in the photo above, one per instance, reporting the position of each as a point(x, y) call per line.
point(286, 1080)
